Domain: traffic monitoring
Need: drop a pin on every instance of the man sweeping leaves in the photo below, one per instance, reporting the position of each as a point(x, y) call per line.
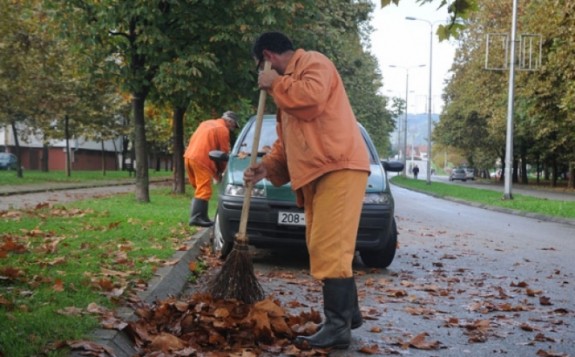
point(319, 150)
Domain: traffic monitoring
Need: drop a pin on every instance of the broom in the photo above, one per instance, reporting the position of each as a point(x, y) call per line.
point(236, 278)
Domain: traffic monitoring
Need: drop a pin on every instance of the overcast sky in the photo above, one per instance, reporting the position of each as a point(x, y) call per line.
point(400, 42)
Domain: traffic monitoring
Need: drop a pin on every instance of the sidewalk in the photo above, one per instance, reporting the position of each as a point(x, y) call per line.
point(9, 190)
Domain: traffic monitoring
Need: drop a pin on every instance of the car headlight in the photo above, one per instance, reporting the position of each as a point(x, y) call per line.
point(237, 190)
point(377, 198)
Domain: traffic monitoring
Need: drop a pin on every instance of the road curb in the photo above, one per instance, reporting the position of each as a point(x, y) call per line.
point(168, 281)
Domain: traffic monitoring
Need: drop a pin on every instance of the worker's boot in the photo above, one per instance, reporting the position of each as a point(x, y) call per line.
point(199, 213)
point(338, 308)
point(356, 318)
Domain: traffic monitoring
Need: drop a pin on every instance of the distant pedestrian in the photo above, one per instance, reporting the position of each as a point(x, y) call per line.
point(210, 135)
point(415, 171)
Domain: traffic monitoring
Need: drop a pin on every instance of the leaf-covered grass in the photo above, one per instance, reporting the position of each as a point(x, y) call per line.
point(564, 209)
point(34, 176)
point(55, 261)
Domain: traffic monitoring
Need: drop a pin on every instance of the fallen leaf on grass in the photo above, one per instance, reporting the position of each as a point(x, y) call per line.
point(58, 285)
point(70, 311)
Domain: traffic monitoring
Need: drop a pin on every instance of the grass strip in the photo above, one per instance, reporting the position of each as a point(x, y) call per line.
point(56, 261)
point(552, 208)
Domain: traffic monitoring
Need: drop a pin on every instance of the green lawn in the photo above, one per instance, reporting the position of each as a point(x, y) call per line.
point(56, 261)
point(563, 209)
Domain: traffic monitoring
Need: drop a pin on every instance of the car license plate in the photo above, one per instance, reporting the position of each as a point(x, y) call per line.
point(291, 218)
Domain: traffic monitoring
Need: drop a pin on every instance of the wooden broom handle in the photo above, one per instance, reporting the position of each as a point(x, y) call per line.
point(242, 236)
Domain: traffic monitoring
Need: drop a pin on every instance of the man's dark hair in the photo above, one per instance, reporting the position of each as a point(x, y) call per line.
point(275, 42)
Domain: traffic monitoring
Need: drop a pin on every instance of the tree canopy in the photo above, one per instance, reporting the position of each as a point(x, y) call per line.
point(190, 58)
point(474, 117)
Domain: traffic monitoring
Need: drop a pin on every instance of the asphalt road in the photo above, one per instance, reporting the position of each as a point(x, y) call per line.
point(465, 282)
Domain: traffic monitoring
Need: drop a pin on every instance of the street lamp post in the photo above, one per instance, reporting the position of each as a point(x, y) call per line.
point(429, 129)
point(405, 120)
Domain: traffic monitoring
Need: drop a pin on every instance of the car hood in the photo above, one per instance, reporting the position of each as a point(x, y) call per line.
point(237, 166)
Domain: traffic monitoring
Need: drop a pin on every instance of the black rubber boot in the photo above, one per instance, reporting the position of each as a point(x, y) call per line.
point(356, 318)
point(199, 213)
point(338, 307)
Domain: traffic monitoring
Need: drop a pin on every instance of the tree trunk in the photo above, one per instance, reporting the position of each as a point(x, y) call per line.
point(523, 163)
point(67, 134)
point(44, 167)
point(141, 162)
point(103, 159)
point(19, 171)
point(555, 174)
point(571, 183)
point(178, 156)
point(538, 165)
point(514, 171)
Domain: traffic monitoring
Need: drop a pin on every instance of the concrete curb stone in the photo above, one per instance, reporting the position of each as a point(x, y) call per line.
point(168, 281)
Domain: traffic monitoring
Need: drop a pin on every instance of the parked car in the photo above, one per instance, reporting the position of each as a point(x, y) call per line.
point(470, 173)
point(8, 161)
point(275, 221)
point(458, 174)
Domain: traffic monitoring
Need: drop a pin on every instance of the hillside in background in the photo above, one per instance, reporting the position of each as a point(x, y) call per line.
point(416, 129)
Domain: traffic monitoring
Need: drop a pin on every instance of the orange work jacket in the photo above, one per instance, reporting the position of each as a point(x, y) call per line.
point(210, 135)
point(317, 130)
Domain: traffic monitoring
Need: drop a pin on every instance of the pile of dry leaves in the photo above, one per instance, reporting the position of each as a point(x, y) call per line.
point(225, 327)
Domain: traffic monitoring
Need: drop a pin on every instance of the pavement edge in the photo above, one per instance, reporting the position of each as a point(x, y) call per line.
point(169, 281)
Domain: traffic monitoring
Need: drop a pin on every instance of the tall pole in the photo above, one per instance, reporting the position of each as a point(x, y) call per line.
point(429, 156)
point(404, 161)
point(509, 139)
point(405, 122)
point(429, 127)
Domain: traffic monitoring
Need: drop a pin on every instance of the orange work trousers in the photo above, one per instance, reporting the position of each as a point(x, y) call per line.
point(201, 180)
point(332, 206)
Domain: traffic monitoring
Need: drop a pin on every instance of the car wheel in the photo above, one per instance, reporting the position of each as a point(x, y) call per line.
point(219, 244)
point(382, 258)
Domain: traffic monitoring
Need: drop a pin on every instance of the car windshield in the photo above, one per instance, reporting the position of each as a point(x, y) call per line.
point(267, 138)
point(4, 157)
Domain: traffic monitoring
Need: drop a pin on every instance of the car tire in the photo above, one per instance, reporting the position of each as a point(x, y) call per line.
point(381, 258)
point(219, 244)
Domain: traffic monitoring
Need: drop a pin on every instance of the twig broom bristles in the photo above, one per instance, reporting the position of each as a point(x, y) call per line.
point(236, 279)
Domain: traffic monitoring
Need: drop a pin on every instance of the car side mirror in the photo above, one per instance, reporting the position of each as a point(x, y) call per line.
point(218, 156)
point(393, 166)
